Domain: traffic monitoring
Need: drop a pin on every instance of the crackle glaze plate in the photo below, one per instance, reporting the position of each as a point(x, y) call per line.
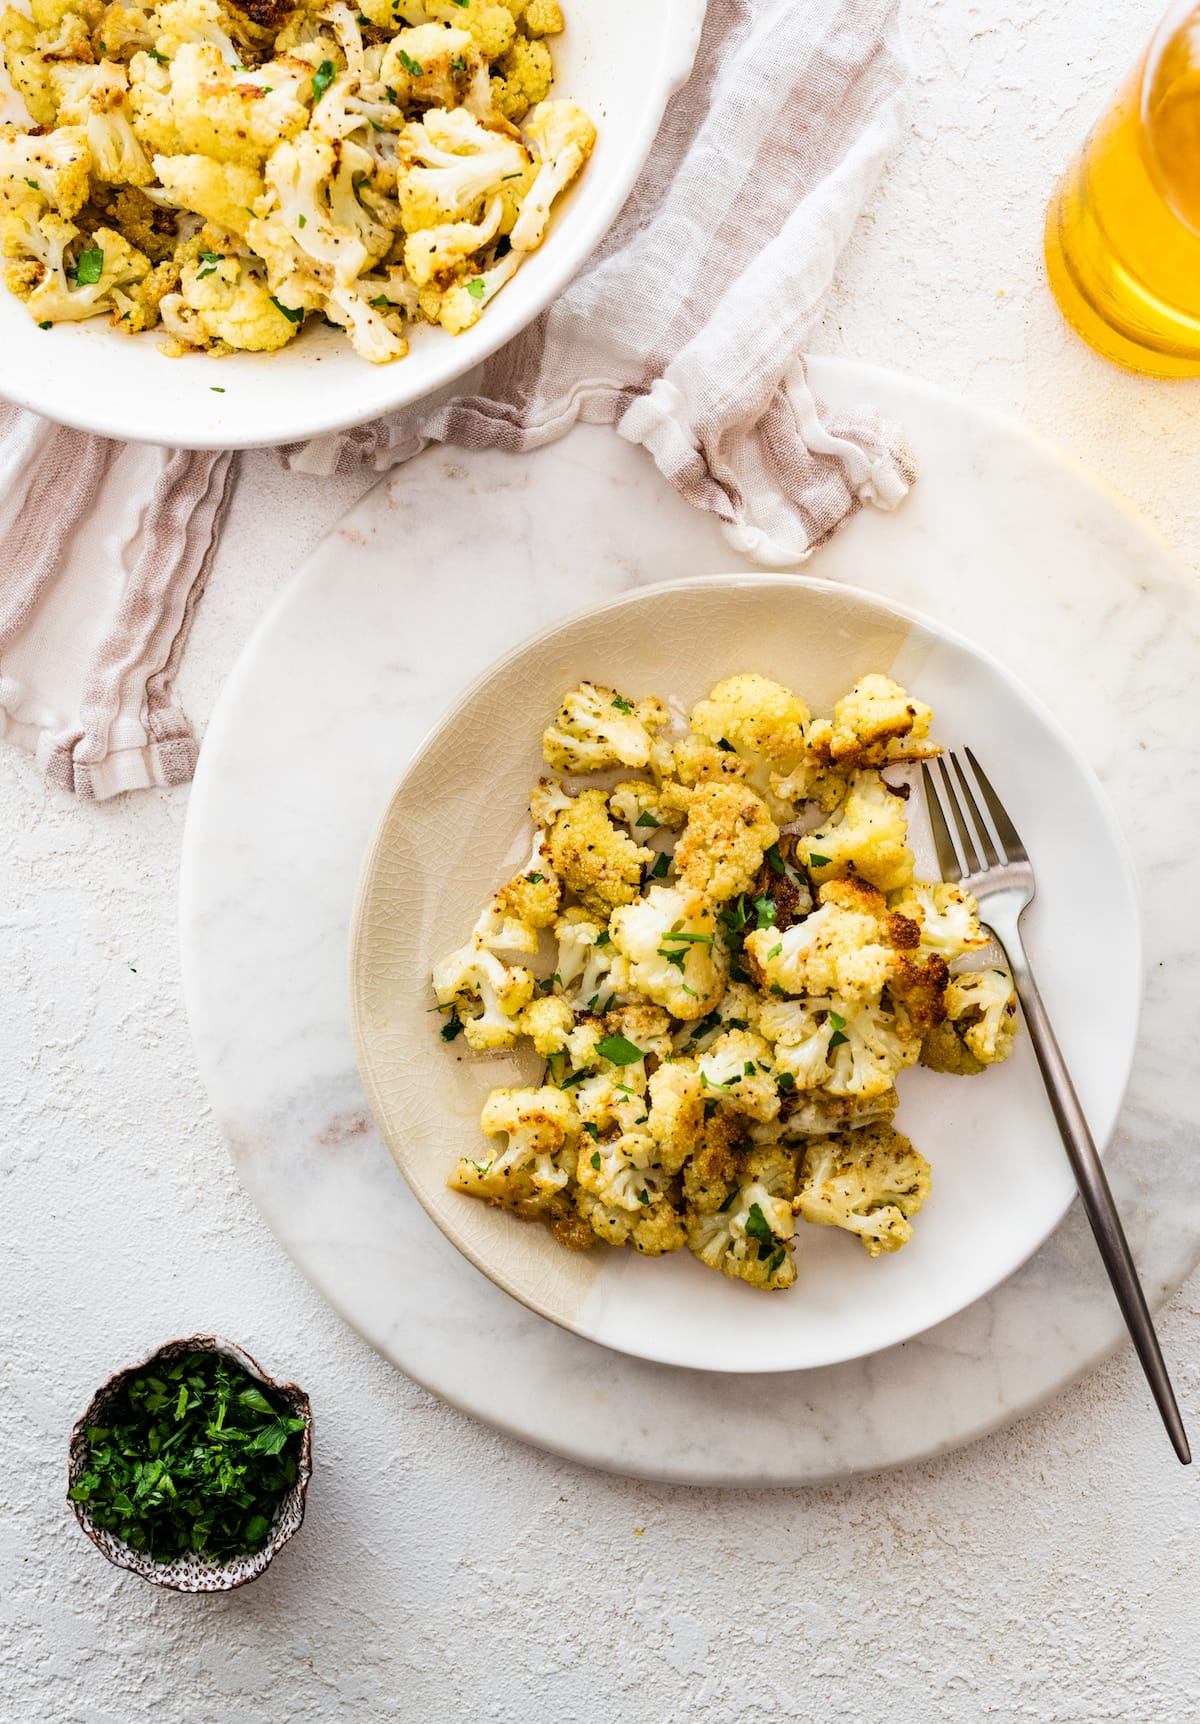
point(457, 827)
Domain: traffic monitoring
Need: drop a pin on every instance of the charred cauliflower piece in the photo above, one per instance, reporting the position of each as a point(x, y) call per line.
point(727, 831)
point(875, 724)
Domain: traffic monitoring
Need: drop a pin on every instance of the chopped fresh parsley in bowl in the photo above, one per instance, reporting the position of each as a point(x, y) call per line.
point(191, 1468)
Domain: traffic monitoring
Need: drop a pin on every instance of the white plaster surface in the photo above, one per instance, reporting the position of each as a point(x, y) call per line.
point(1046, 1574)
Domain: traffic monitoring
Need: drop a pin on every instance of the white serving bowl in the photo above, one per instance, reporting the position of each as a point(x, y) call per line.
point(619, 59)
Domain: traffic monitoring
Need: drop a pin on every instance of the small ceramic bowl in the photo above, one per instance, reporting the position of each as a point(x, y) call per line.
point(192, 1573)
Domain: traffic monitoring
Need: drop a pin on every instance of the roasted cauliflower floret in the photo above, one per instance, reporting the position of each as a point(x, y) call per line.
point(488, 993)
point(867, 835)
point(871, 1041)
point(530, 1170)
point(727, 831)
point(947, 916)
point(198, 105)
point(548, 1022)
point(601, 865)
point(450, 166)
point(27, 66)
point(443, 250)
point(736, 1071)
point(221, 300)
point(590, 971)
point(54, 168)
point(676, 1113)
point(653, 1229)
point(464, 302)
point(868, 1182)
point(671, 940)
point(979, 1027)
point(876, 723)
point(842, 948)
point(490, 26)
point(623, 1172)
point(597, 728)
point(103, 267)
point(763, 724)
point(644, 806)
point(427, 64)
point(222, 192)
point(546, 799)
point(749, 1238)
point(800, 1031)
point(523, 78)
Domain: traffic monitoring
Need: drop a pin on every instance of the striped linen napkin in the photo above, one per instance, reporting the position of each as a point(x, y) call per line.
point(684, 331)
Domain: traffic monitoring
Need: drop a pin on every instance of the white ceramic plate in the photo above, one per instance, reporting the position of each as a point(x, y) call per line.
point(457, 827)
point(90, 376)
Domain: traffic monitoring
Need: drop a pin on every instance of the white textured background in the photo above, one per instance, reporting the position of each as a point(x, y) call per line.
point(1048, 1573)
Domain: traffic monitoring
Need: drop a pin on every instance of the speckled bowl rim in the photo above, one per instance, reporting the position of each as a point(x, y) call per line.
point(192, 1573)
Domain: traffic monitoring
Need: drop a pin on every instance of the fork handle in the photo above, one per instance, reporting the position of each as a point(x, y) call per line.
point(1094, 1190)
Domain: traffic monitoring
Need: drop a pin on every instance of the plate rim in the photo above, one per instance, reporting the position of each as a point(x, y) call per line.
point(632, 597)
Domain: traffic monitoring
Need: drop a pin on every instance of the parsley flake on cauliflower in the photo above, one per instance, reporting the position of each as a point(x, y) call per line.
point(725, 1007)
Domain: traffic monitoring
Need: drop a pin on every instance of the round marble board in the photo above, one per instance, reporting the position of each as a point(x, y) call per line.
point(426, 582)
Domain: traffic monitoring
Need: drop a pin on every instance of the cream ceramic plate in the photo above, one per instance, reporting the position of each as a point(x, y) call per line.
point(457, 827)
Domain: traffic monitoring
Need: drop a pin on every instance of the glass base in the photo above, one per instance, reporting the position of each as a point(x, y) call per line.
point(1084, 316)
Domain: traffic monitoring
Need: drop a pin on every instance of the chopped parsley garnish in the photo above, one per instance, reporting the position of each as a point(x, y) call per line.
point(593, 1131)
point(46, 325)
point(815, 861)
point(621, 704)
point(602, 939)
point(413, 67)
point(689, 991)
point(619, 1050)
point(210, 260)
point(765, 912)
point(758, 1227)
point(691, 939)
point(535, 879)
point(785, 1080)
point(837, 1020)
point(839, 1024)
point(301, 221)
point(749, 1068)
point(380, 299)
point(322, 78)
point(728, 1203)
point(163, 61)
point(292, 316)
point(776, 1260)
point(596, 1160)
point(647, 819)
point(194, 1456)
point(215, 389)
point(602, 1011)
point(458, 64)
point(660, 867)
point(775, 859)
point(515, 176)
point(391, 94)
point(453, 1026)
point(32, 184)
point(477, 288)
point(569, 1083)
point(644, 1197)
point(678, 957)
point(463, 3)
point(775, 951)
point(90, 267)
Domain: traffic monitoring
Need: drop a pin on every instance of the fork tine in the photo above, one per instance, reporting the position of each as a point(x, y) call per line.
point(962, 827)
point(983, 837)
point(1005, 830)
point(942, 842)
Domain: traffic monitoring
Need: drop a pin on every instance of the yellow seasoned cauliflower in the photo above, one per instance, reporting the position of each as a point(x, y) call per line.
point(542, 17)
point(601, 865)
point(547, 1021)
point(676, 1113)
point(104, 265)
point(736, 1071)
point(876, 723)
point(749, 1238)
point(523, 78)
point(868, 1182)
point(692, 761)
point(28, 68)
point(530, 1170)
point(490, 26)
point(222, 192)
point(440, 251)
point(450, 166)
point(623, 1172)
point(653, 1229)
point(564, 136)
point(843, 947)
point(597, 728)
point(428, 64)
point(488, 993)
point(727, 831)
point(980, 1024)
point(54, 168)
point(760, 721)
point(671, 938)
point(800, 1031)
point(871, 1041)
point(589, 970)
point(465, 301)
point(644, 806)
point(221, 300)
point(947, 916)
point(868, 836)
point(198, 105)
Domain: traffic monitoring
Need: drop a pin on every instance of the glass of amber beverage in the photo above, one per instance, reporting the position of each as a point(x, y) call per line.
point(1123, 226)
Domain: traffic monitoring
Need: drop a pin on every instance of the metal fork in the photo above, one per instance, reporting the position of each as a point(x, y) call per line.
point(995, 868)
